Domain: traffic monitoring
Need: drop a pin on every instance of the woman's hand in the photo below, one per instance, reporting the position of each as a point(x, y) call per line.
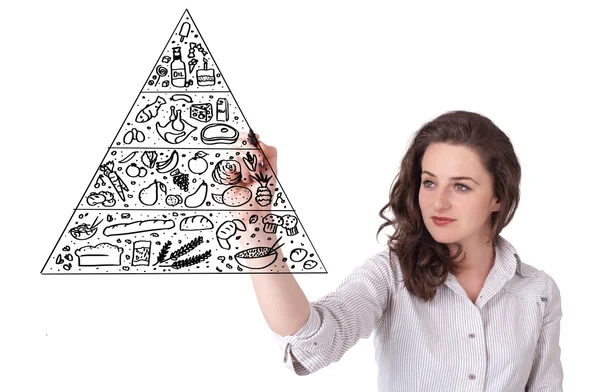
point(268, 162)
point(266, 166)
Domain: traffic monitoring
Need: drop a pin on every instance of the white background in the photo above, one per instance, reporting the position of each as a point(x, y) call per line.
point(338, 88)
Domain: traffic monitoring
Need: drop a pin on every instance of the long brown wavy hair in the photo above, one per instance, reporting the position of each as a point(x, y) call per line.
point(424, 262)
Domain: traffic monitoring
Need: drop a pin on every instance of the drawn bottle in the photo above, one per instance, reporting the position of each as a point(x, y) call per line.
point(178, 74)
point(222, 109)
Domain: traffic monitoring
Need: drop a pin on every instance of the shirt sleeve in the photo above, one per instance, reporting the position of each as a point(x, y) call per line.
point(547, 372)
point(339, 319)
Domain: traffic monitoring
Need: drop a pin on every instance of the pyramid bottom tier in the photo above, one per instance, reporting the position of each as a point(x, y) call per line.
point(163, 242)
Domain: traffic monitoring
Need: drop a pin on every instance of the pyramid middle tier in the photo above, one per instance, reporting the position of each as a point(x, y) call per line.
point(181, 179)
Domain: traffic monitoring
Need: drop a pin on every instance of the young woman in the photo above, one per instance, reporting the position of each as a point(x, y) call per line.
point(452, 305)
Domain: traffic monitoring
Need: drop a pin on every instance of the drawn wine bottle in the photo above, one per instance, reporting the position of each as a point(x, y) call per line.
point(178, 74)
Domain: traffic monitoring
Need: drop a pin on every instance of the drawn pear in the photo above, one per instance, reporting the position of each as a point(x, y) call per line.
point(149, 195)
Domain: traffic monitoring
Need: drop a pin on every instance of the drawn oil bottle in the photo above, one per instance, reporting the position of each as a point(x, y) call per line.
point(178, 74)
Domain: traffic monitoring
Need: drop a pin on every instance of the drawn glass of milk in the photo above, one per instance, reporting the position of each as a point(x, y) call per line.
point(141, 253)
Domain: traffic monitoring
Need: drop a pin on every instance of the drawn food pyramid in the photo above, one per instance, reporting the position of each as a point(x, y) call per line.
point(168, 195)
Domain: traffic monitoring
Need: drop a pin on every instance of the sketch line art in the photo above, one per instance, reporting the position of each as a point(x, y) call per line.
point(172, 193)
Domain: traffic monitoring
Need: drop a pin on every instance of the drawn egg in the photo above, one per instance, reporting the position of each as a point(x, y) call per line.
point(298, 254)
point(139, 136)
point(128, 138)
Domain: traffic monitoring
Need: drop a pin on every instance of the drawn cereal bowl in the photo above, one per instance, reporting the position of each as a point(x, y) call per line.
point(256, 258)
point(85, 231)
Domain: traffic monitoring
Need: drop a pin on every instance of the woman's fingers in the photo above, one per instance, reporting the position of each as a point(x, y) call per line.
point(246, 179)
point(270, 155)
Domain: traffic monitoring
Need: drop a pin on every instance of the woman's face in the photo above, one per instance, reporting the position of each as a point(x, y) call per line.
point(469, 201)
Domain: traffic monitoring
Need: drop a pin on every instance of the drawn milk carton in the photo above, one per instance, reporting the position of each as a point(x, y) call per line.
point(222, 109)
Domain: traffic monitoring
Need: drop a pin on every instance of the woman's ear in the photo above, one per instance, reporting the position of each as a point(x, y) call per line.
point(497, 205)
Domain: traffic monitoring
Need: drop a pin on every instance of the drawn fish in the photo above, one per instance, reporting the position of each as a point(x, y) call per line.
point(150, 111)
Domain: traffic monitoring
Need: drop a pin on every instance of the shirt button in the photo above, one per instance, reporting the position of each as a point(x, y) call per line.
point(471, 377)
point(471, 335)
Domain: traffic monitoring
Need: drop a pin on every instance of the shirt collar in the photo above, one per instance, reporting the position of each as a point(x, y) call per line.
point(507, 261)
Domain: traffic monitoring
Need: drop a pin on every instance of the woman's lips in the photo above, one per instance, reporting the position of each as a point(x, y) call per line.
point(442, 222)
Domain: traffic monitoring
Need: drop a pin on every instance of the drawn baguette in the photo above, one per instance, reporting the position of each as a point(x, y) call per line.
point(138, 227)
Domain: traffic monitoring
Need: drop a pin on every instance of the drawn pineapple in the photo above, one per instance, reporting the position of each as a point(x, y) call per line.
point(263, 194)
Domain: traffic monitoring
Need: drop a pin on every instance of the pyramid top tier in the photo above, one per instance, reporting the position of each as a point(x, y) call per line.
point(185, 64)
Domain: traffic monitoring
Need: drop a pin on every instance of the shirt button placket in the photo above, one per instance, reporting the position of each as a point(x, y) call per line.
point(471, 336)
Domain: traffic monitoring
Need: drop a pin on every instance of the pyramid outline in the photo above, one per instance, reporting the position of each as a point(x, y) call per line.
point(112, 146)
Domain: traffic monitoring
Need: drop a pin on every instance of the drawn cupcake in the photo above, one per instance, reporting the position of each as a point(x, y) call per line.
point(271, 221)
point(290, 222)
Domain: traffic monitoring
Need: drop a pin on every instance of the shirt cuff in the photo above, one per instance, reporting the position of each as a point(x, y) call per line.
point(300, 339)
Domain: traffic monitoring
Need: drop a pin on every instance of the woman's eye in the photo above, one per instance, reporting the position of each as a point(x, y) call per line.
point(463, 188)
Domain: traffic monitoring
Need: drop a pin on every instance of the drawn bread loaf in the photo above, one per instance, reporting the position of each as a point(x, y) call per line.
point(138, 227)
point(99, 255)
point(196, 222)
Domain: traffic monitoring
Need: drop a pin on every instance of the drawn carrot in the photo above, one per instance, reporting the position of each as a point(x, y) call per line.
point(115, 180)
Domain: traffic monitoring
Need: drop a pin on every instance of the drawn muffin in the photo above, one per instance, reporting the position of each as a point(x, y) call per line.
point(290, 222)
point(271, 221)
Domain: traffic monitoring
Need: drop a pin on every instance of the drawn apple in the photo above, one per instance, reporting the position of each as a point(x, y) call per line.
point(198, 164)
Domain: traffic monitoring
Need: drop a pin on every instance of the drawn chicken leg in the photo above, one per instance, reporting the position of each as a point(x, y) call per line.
point(176, 130)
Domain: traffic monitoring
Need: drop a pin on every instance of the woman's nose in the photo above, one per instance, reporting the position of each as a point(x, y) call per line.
point(441, 199)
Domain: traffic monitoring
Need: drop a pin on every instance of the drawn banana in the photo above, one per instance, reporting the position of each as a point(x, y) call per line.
point(228, 230)
point(168, 164)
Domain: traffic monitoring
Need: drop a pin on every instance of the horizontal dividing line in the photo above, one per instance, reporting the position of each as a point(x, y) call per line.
point(182, 148)
point(165, 210)
point(187, 92)
point(181, 273)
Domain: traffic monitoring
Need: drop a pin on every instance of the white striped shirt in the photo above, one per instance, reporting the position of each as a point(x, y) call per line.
point(508, 340)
